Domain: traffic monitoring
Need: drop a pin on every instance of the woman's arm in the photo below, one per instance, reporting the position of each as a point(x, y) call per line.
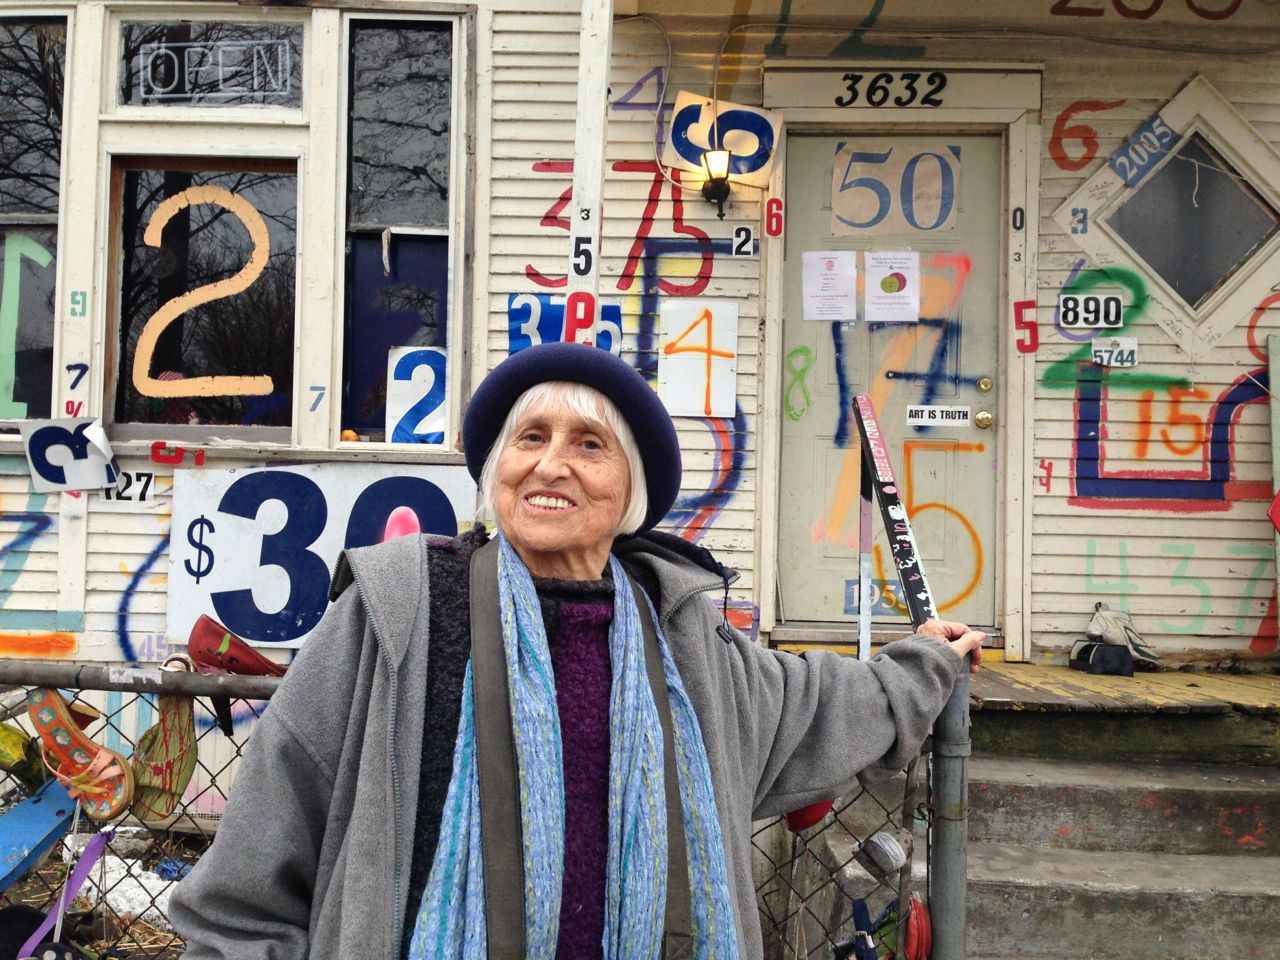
point(250, 896)
point(823, 719)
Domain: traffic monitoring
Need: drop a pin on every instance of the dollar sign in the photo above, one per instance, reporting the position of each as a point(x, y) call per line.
point(204, 554)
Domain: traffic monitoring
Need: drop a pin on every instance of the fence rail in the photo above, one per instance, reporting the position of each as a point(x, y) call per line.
point(806, 881)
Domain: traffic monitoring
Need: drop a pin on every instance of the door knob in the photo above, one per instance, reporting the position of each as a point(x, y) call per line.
point(983, 419)
point(985, 384)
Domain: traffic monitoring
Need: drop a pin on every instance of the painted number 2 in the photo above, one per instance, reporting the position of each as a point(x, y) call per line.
point(158, 322)
point(407, 427)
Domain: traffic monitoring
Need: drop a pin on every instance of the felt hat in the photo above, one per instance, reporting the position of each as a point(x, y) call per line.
point(650, 423)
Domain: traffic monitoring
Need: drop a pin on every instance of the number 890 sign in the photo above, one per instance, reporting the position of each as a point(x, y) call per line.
point(255, 549)
point(1075, 310)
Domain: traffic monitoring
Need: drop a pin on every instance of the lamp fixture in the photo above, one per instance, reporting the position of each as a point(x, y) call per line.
point(716, 189)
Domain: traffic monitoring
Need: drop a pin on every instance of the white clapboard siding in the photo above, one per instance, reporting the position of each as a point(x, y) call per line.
point(28, 564)
point(536, 58)
point(1197, 582)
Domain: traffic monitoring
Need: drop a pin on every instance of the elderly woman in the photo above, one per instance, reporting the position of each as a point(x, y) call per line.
point(550, 744)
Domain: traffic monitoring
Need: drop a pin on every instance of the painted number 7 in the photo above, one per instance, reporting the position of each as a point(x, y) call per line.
point(707, 349)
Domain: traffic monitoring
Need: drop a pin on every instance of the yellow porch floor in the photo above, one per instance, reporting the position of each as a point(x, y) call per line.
point(1040, 687)
point(1045, 688)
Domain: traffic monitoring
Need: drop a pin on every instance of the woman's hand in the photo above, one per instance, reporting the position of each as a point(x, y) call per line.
point(958, 637)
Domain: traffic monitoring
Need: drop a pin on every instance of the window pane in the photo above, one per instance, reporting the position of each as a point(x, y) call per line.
point(401, 85)
point(1195, 221)
point(31, 68)
point(26, 322)
point(219, 354)
point(211, 64)
point(406, 308)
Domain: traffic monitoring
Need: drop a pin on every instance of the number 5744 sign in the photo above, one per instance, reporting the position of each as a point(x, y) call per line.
point(255, 548)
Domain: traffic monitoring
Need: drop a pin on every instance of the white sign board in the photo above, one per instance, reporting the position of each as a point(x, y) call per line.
point(892, 287)
point(255, 548)
point(921, 416)
point(750, 134)
point(415, 395)
point(70, 454)
point(698, 357)
point(830, 284)
point(1115, 351)
point(901, 189)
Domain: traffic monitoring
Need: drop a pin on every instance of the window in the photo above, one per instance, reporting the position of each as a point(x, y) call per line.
point(1195, 221)
point(32, 61)
point(400, 81)
point(206, 287)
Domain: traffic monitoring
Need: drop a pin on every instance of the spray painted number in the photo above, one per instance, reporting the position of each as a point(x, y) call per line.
point(1131, 10)
point(158, 322)
point(877, 92)
point(17, 247)
point(906, 187)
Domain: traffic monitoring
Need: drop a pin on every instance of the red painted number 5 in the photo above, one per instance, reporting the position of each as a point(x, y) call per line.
point(1026, 325)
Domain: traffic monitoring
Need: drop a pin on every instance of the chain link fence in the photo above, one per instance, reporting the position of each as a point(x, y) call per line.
point(807, 881)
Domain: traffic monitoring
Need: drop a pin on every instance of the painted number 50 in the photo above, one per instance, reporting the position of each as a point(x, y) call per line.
point(906, 187)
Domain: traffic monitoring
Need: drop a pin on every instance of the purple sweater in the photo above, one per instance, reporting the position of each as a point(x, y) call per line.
point(577, 615)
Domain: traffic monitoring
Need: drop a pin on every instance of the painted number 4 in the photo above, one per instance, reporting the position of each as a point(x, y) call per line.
point(697, 369)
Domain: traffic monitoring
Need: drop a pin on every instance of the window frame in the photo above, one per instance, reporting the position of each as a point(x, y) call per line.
point(456, 229)
point(1198, 108)
point(67, 13)
point(315, 138)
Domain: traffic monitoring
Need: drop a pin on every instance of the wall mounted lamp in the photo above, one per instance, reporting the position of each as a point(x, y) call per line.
point(716, 189)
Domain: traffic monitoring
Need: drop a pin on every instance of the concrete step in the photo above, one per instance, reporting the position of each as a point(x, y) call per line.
point(1063, 904)
point(1199, 809)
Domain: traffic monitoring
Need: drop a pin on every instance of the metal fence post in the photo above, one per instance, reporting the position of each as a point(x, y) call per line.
point(951, 747)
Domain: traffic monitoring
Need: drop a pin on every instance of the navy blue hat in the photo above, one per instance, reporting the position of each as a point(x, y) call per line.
point(639, 405)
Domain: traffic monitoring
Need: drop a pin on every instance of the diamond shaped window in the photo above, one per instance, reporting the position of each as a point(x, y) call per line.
point(1195, 221)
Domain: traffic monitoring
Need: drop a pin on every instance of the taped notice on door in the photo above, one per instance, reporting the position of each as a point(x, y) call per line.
point(938, 416)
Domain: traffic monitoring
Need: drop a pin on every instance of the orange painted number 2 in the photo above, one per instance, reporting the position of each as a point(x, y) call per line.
point(675, 347)
point(220, 386)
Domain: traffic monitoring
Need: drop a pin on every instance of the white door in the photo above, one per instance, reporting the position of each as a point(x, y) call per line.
point(937, 200)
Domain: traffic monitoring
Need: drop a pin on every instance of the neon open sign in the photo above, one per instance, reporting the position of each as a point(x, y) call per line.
point(215, 69)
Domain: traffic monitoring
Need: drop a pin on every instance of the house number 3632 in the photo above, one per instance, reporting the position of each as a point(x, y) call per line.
point(901, 89)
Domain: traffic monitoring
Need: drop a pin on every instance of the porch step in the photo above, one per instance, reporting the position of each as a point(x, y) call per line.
point(1064, 904)
point(1199, 809)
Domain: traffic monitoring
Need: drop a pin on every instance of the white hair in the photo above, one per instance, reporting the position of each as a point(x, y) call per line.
point(594, 407)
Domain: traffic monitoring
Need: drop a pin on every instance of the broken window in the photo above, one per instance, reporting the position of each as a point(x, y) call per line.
point(401, 102)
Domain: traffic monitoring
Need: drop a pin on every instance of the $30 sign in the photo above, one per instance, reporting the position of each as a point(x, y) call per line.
point(255, 549)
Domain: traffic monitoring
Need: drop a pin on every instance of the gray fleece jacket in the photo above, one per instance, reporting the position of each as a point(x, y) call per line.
point(313, 852)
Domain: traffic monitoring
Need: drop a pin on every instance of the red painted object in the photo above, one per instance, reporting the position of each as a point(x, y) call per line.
point(1273, 512)
point(213, 646)
point(806, 817)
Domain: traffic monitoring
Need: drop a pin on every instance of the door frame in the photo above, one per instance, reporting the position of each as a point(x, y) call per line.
point(1005, 100)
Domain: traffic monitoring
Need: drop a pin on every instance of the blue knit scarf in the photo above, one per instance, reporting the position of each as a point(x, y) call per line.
point(451, 919)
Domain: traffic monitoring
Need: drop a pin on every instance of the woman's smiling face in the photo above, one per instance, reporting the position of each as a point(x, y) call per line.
point(562, 487)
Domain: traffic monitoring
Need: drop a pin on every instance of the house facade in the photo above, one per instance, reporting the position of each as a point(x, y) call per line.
point(1043, 239)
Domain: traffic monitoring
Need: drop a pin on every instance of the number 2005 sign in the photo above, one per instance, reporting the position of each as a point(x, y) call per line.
point(1075, 310)
point(254, 549)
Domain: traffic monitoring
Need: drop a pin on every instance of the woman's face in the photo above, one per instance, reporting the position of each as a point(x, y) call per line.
point(563, 484)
